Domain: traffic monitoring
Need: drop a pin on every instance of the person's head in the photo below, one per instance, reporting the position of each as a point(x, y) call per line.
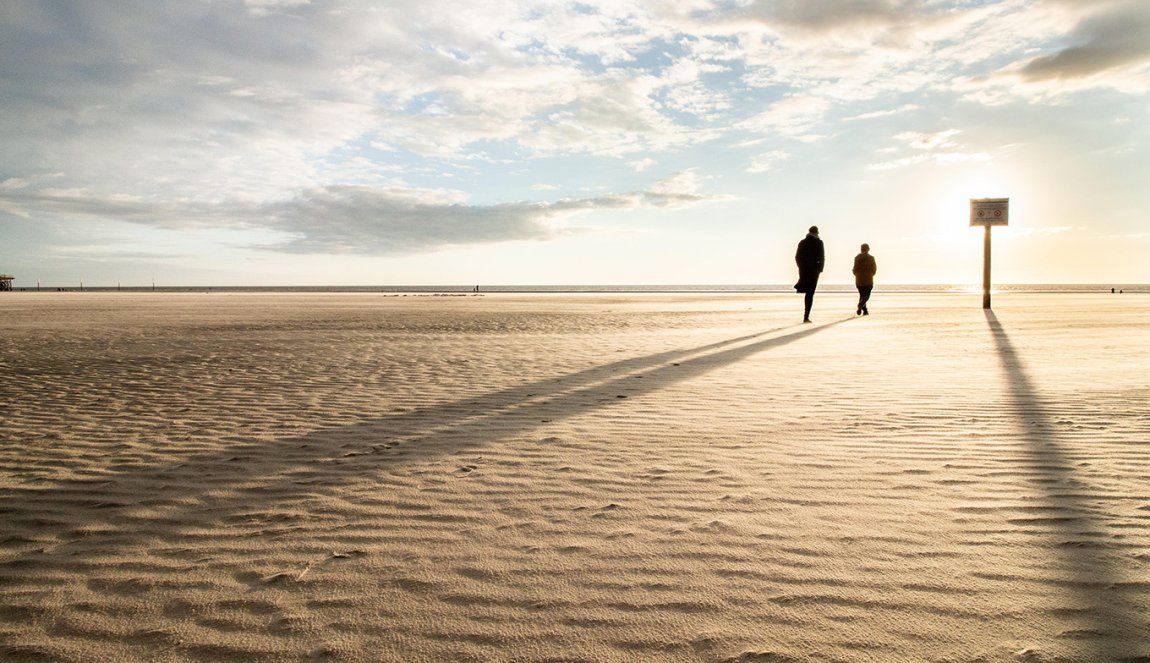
point(866, 248)
point(814, 230)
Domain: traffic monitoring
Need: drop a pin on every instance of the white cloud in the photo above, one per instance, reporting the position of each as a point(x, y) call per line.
point(260, 105)
point(354, 123)
point(794, 116)
point(928, 141)
point(685, 183)
point(905, 108)
point(361, 220)
point(766, 162)
point(264, 7)
point(1114, 39)
point(1063, 47)
point(937, 147)
point(899, 163)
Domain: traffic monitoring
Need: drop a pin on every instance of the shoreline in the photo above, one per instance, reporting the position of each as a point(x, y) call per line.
point(607, 289)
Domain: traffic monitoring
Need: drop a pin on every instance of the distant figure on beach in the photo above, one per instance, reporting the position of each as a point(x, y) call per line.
point(864, 271)
point(809, 258)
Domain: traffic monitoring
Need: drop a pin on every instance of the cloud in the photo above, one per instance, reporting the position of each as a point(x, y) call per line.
point(355, 126)
point(1062, 47)
point(938, 158)
point(187, 98)
point(361, 220)
point(366, 221)
point(794, 117)
point(684, 183)
point(929, 141)
point(264, 7)
point(213, 100)
point(358, 220)
point(811, 17)
point(766, 162)
point(936, 147)
point(262, 98)
point(905, 108)
point(1113, 39)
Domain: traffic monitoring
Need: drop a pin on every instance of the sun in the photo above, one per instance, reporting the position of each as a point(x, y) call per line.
point(947, 194)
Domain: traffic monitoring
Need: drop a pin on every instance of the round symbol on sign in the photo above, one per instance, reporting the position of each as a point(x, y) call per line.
point(997, 213)
point(981, 213)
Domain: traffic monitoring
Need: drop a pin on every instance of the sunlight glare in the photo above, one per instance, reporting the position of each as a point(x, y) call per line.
point(947, 201)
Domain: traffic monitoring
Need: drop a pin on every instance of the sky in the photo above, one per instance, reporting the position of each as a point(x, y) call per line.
point(518, 142)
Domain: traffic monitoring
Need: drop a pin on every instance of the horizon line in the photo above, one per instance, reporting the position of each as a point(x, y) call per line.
point(504, 287)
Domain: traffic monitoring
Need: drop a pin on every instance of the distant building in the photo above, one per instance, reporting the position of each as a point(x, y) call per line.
point(6, 281)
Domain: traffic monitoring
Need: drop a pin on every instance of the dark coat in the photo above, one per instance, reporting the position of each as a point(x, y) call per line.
point(864, 269)
point(809, 258)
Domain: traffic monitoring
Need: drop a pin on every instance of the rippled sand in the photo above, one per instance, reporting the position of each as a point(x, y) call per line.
point(210, 477)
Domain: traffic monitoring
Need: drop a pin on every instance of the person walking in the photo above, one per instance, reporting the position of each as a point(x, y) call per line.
point(809, 258)
point(864, 271)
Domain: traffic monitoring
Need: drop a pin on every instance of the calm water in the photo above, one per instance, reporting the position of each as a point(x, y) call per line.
point(1075, 288)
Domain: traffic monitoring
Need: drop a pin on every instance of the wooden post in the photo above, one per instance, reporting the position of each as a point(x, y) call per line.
point(988, 212)
point(986, 268)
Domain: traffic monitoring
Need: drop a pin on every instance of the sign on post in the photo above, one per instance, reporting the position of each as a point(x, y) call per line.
point(988, 212)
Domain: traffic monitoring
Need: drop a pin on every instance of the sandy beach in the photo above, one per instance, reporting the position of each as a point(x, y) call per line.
point(656, 477)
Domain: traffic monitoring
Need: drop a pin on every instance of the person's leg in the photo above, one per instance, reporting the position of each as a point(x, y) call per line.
point(862, 301)
point(864, 297)
point(808, 300)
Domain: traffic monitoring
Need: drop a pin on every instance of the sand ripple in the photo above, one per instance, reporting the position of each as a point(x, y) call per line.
point(572, 478)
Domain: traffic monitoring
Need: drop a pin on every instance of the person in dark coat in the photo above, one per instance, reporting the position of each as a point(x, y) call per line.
point(809, 258)
point(864, 271)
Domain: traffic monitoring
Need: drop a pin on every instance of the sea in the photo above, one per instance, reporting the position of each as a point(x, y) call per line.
point(1143, 288)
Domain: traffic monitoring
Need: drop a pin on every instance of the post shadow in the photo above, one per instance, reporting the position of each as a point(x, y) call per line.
point(226, 484)
point(1081, 538)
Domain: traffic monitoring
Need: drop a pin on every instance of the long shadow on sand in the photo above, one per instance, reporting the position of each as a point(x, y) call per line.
point(1081, 542)
point(108, 515)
